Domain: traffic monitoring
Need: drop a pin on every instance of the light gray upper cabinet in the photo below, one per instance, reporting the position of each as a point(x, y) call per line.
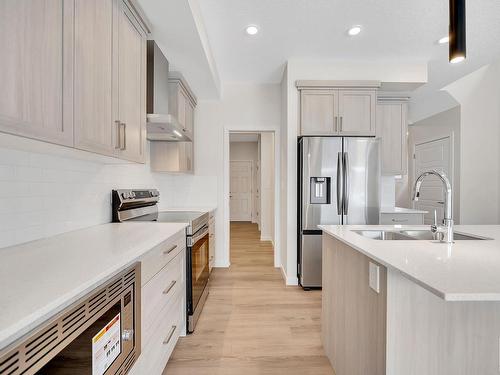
point(182, 101)
point(357, 112)
point(318, 112)
point(392, 128)
point(75, 71)
point(37, 43)
point(339, 111)
point(110, 79)
point(93, 76)
point(131, 91)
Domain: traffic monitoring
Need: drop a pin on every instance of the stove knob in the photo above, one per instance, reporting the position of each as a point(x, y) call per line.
point(124, 195)
point(132, 194)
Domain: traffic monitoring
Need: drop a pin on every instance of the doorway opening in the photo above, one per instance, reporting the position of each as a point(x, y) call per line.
point(252, 188)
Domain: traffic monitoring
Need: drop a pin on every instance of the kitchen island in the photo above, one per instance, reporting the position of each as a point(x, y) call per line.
point(411, 306)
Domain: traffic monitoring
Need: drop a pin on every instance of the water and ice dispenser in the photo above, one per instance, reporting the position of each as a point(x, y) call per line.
point(320, 190)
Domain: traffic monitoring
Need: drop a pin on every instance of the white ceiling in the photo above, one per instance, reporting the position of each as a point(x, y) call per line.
point(178, 29)
point(395, 30)
point(205, 39)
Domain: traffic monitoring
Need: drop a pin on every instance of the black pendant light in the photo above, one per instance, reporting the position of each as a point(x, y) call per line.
point(457, 31)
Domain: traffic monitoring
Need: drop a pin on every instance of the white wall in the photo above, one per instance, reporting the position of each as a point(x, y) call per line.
point(267, 182)
point(392, 73)
point(248, 151)
point(243, 107)
point(479, 96)
point(441, 125)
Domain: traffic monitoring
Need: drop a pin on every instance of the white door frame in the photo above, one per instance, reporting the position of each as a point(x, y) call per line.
point(226, 175)
point(252, 193)
point(414, 176)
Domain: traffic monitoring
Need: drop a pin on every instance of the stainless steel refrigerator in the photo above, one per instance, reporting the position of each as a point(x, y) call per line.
point(338, 183)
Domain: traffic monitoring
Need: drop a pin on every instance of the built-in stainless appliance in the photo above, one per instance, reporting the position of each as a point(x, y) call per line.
point(142, 205)
point(339, 179)
point(100, 334)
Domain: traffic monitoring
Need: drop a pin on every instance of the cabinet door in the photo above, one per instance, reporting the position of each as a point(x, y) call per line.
point(357, 112)
point(131, 92)
point(392, 129)
point(182, 102)
point(95, 128)
point(189, 117)
point(318, 111)
point(36, 76)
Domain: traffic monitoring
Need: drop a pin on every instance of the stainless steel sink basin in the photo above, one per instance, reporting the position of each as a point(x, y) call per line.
point(383, 235)
point(428, 235)
point(408, 235)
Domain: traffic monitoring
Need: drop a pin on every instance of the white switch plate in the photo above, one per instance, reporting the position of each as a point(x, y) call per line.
point(374, 279)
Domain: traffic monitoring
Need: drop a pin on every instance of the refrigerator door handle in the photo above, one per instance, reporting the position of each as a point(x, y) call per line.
point(340, 183)
point(345, 170)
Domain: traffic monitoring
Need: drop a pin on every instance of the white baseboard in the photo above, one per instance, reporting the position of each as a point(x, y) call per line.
point(223, 264)
point(289, 280)
point(266, 238)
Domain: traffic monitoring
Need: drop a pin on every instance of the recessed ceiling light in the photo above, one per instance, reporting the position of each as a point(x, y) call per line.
point(252, 29)
point(354, 30)
point(444, 40)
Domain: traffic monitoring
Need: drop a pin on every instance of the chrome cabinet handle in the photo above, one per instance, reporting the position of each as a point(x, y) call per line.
point(341, 121)
point(340, 183)
point(170, 334)
point(124, 135)
point(118, 145)
point(166, 252)
point(399, 221)
point(345, 168)
point(170, 287)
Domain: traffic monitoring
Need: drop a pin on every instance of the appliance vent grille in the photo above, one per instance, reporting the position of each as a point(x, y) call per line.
point(39, 348)
point(10, 364)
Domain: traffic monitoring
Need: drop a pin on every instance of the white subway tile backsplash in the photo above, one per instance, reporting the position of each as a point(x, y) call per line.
point(44, 195)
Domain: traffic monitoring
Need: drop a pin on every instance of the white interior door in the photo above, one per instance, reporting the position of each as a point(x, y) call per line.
point(240, 191)
point(432, 155)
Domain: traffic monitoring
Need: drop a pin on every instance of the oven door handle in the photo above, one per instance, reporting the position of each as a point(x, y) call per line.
point(202, 233)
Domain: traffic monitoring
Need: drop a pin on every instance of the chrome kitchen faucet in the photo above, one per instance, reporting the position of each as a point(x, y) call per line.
point(447, 228)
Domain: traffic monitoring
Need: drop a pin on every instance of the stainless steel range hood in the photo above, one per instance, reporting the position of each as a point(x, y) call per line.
point(161, 125)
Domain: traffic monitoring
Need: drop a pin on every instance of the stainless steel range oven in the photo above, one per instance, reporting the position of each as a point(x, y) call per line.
point(142, 205)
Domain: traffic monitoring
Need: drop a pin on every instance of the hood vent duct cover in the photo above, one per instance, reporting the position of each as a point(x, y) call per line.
point(161, 125)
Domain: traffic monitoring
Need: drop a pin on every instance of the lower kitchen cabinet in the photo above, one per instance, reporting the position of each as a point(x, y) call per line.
point(211, 241)
point(416, 218)
point(353, 325)
point(163, 304)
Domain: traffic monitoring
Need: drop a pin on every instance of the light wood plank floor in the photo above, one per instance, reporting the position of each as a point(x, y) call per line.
point(251, 322)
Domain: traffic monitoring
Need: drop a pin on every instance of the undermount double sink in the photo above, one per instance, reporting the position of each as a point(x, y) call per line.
point(406, 235)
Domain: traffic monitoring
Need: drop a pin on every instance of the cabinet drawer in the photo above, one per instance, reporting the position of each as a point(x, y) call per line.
point(401, 219)
point(155, 354)
point(161, 291)
point(154, 260)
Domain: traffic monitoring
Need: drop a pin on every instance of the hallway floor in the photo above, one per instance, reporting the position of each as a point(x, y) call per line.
point(251, 322)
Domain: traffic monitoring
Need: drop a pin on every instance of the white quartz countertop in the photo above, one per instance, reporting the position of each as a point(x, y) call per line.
point(193, 208)
point(467, 270)
point(400, 210)
point(39, 279)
